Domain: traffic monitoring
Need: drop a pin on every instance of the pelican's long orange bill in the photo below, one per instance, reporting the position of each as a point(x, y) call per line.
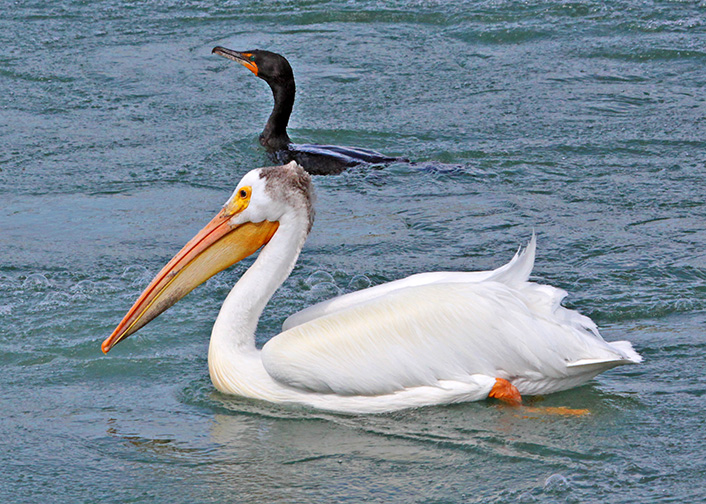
point(216, 247)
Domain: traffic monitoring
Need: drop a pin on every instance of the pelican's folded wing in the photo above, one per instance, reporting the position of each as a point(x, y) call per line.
point(426, 334)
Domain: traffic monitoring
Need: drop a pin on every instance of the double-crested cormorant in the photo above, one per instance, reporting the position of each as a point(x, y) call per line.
point(432, 338)
point(316, 159)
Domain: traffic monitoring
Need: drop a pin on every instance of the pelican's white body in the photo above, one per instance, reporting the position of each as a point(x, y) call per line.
point(432, 338)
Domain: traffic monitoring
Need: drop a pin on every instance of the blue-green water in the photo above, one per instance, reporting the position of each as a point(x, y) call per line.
point(121, 135)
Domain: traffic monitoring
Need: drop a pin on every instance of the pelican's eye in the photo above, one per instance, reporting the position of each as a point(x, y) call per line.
point(240, 200)
point(244, 194)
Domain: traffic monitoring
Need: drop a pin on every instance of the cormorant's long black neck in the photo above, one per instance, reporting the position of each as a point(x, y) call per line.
point(274, 137)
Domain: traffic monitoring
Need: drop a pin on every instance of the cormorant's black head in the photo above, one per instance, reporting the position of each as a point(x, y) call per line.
point(270, 67)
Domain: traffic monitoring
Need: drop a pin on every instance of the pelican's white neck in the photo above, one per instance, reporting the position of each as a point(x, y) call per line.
point(234, 329)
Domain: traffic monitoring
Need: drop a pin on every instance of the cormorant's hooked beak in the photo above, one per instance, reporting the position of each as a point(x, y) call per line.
point(244, 58)
point(216, 247)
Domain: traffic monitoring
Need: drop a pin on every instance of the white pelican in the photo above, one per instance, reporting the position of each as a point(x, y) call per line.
point(432, 338)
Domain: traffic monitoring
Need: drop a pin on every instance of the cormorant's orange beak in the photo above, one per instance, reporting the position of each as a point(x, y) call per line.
point(244, 58)
point(216, 247)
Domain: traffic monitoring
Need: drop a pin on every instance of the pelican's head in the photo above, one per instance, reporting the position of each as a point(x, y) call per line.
point(270, 67)
point(264, 200)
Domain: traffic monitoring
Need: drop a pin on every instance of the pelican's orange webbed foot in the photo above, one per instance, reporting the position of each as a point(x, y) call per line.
point(506, 392)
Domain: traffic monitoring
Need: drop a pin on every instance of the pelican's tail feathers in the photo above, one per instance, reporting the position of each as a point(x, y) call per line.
point(625, 354)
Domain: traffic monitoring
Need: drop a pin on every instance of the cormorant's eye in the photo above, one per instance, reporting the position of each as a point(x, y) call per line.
point(252, 57)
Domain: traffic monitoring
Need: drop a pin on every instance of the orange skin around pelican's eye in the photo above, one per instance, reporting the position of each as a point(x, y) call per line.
point(240, 202)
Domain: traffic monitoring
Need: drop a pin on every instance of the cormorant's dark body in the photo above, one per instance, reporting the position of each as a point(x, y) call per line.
point(316, 159)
